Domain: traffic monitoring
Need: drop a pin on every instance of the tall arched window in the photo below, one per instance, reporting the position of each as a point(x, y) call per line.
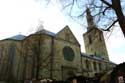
point(10, 61)
point(95, 67)
point(87, 65)
point(90, 40)
point(100, 68)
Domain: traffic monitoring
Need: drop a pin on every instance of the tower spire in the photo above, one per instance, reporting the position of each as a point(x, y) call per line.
point(89, 18)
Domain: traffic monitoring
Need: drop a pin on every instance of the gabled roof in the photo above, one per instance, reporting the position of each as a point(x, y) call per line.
point(66, 34)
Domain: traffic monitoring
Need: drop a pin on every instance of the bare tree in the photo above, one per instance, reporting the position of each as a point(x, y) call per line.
point(106, 12)
point(109, 12)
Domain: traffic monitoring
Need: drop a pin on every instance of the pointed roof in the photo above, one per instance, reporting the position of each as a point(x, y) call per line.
point(66, 34)
point(89, 18)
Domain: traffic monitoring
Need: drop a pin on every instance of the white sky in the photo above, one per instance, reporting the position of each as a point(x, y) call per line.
point(23, 16)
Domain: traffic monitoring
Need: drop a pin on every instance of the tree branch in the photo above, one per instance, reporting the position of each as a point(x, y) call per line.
point(105, 10)
point(108, 4)
point(72, 6)
point(108, 29)
point(67, 5)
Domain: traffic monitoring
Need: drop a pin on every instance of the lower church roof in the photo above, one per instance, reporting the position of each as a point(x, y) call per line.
point(17, 37)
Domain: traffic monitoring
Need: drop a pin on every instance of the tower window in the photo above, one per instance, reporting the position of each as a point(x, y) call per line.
point(90, 40)
point(100, 38)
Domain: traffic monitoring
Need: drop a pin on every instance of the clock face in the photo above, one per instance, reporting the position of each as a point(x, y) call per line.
point(68, 53)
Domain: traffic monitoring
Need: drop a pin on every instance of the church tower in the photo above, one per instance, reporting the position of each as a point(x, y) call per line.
point(94, 40)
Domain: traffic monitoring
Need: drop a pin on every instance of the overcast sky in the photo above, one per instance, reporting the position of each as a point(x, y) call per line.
point(24, 16)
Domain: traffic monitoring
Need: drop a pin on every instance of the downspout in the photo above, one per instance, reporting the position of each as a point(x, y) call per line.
point(52, 55)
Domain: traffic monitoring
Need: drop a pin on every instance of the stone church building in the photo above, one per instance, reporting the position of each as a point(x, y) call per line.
point(44, 54)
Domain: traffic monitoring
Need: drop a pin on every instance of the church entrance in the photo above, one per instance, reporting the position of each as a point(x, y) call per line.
point(68, 72)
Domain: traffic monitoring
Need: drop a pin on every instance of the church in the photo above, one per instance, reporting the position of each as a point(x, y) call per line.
point(44, 54)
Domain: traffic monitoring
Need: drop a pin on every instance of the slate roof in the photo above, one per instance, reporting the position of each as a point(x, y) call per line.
point(95, 58)
point(91, 56)
point(21, 37)
point(43, 31)
point(17, 37)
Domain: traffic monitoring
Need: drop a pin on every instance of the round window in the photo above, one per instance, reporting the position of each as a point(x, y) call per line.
point(68, 53)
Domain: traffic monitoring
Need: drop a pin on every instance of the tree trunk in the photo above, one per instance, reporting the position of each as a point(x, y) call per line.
point(118, 10)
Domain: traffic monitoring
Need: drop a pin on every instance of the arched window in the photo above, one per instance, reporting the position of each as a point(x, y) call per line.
point(95, 67)
point(10, 60)
point(89, 39)
point(87, 65)
point(11, 53)
point(100, 68)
